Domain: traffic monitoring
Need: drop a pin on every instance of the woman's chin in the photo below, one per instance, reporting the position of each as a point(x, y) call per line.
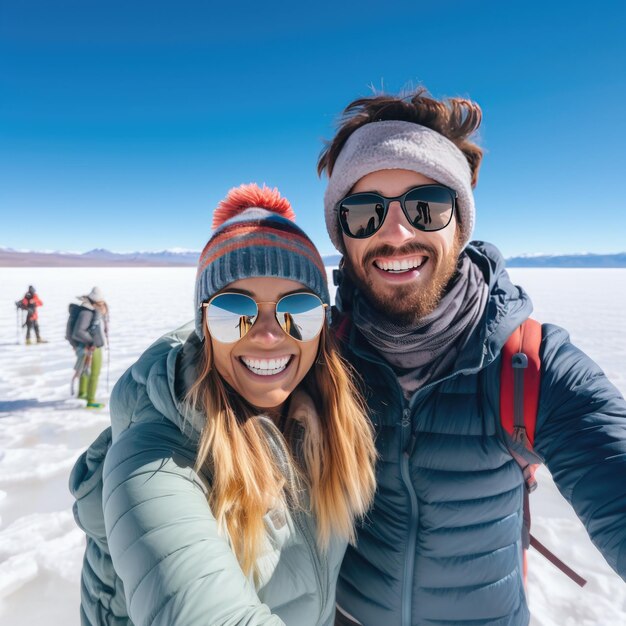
point(272, 404)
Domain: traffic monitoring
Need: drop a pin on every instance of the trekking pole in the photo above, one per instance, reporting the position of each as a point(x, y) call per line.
point(108, 365)
point(108, 347)
point(17, 325)
point(77, 368)
point(82, 364)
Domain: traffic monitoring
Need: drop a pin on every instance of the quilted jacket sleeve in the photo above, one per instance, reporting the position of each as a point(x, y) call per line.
point(581, 433)
point(176, 569)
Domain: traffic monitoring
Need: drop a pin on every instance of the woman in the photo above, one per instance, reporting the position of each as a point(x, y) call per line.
point(89, 333)
point(240, 456)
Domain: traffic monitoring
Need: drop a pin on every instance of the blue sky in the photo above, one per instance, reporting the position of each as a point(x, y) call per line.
point(122, 124)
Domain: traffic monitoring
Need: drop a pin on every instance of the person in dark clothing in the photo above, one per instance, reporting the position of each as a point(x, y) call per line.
point(427, 313)
point(30, 303)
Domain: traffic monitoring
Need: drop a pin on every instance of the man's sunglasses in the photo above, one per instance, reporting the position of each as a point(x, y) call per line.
point(426, 207)
point(231, 315)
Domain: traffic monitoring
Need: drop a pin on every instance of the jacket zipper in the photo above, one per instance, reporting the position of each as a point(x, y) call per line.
point(406, 452)
point(304, 523)
point(409, 558)
point(319, 563)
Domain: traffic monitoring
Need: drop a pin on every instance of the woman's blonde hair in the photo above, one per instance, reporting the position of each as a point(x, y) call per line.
point(332, 452)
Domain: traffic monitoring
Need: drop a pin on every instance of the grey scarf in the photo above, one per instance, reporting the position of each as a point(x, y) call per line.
point(428, 349)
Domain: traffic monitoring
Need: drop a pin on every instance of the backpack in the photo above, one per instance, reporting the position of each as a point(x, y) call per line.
point(74, 310)
point(520, 381)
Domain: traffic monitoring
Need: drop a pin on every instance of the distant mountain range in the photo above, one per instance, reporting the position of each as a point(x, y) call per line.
point(568, 260)
point(97, 258)
point(181, 258)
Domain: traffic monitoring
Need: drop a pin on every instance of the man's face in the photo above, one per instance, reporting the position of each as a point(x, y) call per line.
point(405, 295)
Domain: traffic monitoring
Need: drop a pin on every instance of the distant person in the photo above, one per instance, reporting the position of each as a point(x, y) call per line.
point(88, 329)
point(239, 455)
point(30, 303)
point(424, 316)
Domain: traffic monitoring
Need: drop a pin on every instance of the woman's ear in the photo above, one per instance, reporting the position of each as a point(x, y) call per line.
point(205, 326)
point(319, 359)
point(207, 348)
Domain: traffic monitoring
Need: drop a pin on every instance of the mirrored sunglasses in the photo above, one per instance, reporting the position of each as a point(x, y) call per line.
point(231, 315)
point(426, 207)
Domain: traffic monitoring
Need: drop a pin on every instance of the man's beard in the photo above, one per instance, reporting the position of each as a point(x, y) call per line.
point(406, 304)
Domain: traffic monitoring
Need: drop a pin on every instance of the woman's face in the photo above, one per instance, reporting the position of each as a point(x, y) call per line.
point(239, 363)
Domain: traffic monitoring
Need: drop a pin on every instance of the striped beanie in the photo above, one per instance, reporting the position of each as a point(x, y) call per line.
point(254, 236)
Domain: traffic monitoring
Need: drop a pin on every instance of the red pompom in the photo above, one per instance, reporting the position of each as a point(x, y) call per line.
point(245, 197)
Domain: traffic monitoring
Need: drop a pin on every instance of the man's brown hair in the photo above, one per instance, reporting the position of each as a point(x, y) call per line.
point(454, 118)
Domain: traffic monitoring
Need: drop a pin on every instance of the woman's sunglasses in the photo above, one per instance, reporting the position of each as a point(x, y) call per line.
point(231, 315)
point(427, 207)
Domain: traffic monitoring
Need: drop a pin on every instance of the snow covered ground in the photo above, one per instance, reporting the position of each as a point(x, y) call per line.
point(43, 430)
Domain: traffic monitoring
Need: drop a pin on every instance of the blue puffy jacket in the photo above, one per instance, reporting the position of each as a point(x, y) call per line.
point(442, 544)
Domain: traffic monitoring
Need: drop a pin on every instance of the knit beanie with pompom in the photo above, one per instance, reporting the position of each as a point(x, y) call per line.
point(254, 236)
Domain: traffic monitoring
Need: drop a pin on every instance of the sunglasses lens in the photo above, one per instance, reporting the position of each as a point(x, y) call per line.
point(301, 315)
point(430, 208)
point(361, 215)
point(230, 316)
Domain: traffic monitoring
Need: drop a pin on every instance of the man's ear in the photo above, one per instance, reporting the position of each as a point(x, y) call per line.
point(338, 273)
point(337, 276)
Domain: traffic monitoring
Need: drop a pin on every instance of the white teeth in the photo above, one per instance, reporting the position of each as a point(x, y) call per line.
point(400, 266)
point(266, 367)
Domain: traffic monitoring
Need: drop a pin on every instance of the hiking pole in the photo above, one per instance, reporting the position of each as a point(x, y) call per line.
point(82, 366)
point(108, 364)
point(78, 367)
point(107, 345)
point(17, 325)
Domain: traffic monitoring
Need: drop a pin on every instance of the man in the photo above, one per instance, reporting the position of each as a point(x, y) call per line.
point(29, 303)
point(424, 316)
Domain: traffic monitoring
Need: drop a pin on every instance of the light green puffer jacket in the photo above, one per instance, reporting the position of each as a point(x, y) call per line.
point(154, 555)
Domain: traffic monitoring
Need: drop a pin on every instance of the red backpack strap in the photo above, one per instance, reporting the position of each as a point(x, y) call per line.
point(520, 381)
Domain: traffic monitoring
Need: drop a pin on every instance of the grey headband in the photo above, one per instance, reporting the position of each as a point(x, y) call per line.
point(394, 145)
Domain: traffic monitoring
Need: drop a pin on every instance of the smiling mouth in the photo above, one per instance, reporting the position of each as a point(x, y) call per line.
point(400, 266)
point(266, 367)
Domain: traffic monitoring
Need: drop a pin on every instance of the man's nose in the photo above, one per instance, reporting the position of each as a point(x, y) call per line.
point(396, 229)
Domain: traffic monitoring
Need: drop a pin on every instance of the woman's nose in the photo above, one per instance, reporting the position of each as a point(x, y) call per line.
point(266, 330)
